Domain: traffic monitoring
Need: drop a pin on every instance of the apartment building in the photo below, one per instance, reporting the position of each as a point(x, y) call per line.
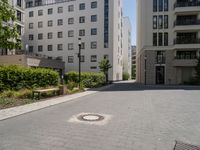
point(133, 48)
point(19, 6)
point(127, 66)
point(53, 27)
point(168, 40)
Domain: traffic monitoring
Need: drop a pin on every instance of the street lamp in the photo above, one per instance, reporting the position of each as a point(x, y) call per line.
point(145, 70)
point(79, 59)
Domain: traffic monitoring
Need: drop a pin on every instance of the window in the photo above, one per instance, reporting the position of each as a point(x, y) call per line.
point(30, 25)
point(40, 12)
point(106, 23)
point(94, 18)
point(82, 45)
point(30, 49)
point(160, 39)
point(166, 5)
point(50, 47)
point(40, 36)
point(59, 47)
point(94, 58)
point(60, 10)
point(70, 20)
point(160, 5)
point(71, 33)
point(93, 67)
point(93, 45)
point(82, 32)
point(160, 22)
point(70, 46)
point(60, 35)
point(50, 35)
point(31, 37)
point(31, 14)
point(165, 39)
point(70, 59)
point(40, 48)
point(50, 11)
point(82, 6)
point(154, 39)
point(165, 21)
point(93, 5)
point(94, 31)
point(60, 22)
point(50, 23)
point(70, 8)
point(160, 57)
point(155, 5)
point(82, 58)
point(154, 22)
point(106, 57)
point(82, 19)
point(40, 24)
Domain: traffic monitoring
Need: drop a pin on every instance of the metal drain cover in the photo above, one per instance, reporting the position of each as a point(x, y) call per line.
point(90, 117)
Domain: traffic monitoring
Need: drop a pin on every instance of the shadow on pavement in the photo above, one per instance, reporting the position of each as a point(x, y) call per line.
point(132, 86)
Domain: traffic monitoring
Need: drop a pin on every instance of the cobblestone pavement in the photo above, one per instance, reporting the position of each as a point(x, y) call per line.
point(143, 118)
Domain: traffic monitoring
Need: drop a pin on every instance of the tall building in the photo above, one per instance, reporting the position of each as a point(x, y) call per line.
point(168, 40)
point(53, 27)
point(19, 6)
point(127, 64)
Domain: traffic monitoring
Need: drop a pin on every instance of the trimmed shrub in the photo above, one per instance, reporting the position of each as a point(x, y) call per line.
point(17, 77)
point(88, 79)
point(126, 76)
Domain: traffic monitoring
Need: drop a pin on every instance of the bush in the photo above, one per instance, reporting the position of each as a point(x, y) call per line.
point(126, 76)
point(17, 77)
point(88, 79)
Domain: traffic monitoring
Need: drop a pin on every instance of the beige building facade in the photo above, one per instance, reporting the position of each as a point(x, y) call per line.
point(168, 40)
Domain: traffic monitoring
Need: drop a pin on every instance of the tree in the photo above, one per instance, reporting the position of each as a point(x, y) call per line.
point(8, 30)
point(133, 71)
point(104, 66)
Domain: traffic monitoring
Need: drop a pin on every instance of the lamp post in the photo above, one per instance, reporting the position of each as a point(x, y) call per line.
point(145, 70)
point(79, 59)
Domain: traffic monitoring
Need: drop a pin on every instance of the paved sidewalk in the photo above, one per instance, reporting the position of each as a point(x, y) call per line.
point(19, 110)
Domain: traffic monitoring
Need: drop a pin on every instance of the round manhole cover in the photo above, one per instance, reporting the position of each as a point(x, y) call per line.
point(90, 117)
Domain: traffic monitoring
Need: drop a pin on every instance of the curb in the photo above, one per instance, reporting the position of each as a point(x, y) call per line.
point(20, 110)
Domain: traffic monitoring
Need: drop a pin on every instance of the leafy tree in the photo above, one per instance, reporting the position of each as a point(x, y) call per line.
point(104, 66)
point(8, 30)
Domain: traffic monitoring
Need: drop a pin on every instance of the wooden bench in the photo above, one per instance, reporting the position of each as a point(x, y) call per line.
point(38, 92)
point(184, 146)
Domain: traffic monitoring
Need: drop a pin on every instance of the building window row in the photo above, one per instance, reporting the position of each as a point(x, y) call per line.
point(60, 34)
point(93, 58)
point(60, 22)
point(160, 22)
point(82, 6)
point(160, 5)
point(70, 46)
point(160, 39)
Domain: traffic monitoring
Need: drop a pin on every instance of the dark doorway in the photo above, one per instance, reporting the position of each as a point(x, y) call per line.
point(160, 75)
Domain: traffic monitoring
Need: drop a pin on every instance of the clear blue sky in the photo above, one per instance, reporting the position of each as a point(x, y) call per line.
point(130, 11)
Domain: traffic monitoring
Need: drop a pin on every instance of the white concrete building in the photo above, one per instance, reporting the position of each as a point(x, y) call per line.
point(53, 27)
point(168, 40)
point(19, 6)
point(127, 53)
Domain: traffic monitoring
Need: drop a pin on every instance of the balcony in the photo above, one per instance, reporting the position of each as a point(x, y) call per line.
point(186, 22)
point(187, 6)
point(186, 41)
point(185, 61)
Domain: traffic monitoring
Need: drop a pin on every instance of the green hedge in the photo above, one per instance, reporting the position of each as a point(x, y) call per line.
point(126, 76)
point(17, 77)
point(88, 79)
